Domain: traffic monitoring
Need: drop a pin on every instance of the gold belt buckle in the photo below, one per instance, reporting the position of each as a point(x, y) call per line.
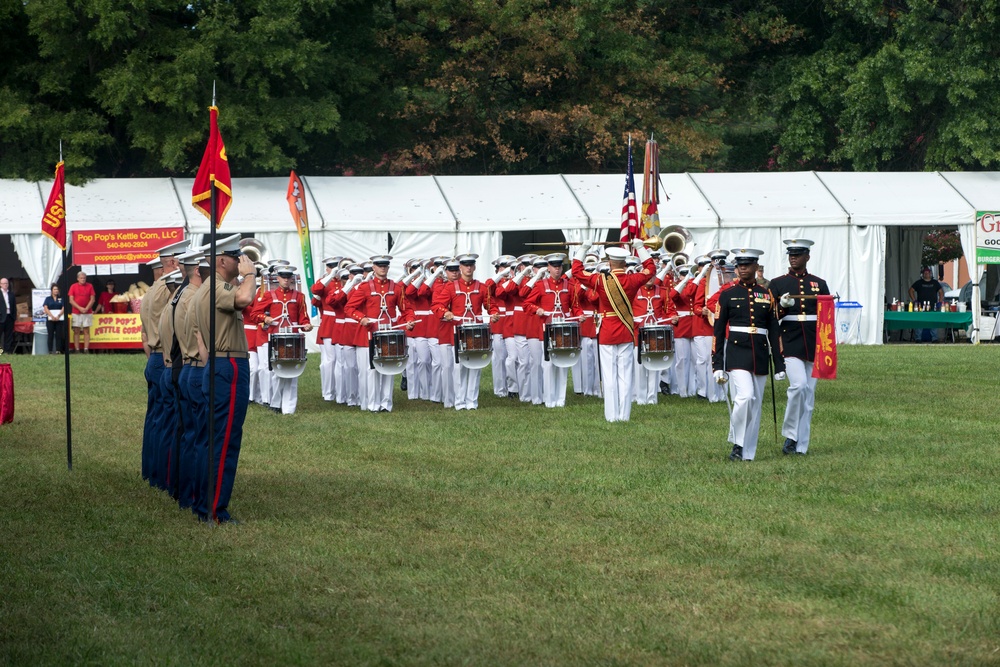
point(801, 317)
point(752, 330)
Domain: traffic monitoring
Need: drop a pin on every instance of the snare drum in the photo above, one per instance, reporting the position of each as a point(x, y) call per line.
point(656, 338)
point(473, 345)
point(562, 341)
point(656, 347)
point(388, 351)
point(287, 354)
point(474, 338)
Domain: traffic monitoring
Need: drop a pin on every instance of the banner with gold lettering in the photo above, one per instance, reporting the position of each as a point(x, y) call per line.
point(825, 364)
point(54, 220)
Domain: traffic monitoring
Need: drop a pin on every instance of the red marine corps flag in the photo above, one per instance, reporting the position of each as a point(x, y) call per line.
point(213, 172)
point(825, 365)
point(54, 220)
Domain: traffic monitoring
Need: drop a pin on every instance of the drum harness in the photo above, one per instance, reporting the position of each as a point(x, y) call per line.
point(556, 306)
point(467, 315)
point(283, 316)
point(383, 311)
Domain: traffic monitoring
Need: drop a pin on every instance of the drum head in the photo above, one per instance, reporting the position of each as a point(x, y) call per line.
point(474, 360)
point(390, 366)
point(657, 361)
point(564, 358)
point(288, 368)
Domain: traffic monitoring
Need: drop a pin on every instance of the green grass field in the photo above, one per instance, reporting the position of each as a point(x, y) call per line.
point(515, 535)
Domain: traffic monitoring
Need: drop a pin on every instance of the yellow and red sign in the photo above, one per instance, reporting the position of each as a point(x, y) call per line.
point(115, 331)
point(122, 246)
point(825, 364)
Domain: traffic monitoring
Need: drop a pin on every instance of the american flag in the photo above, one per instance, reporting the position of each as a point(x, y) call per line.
point(630, 212)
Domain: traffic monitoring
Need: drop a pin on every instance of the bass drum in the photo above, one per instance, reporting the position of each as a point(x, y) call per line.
point(473, 345)
point(656, 347)
point(389, 352)
point(287, 354)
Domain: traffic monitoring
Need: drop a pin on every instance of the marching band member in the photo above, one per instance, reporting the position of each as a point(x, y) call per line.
point(435, 274)
point(683, 294)
point(347, 334)
point(269, 281)
point(446, 337)
point(250, 331)
point(284, 308)
point(324, 335)
point(153, 303)
point(509, 289)
point(712, 287)
point(501, 385)
point(651, 307)
point(701, 327)
point(746, 332)
point(375, 303)
point(534, 332)
point(550, 300)
point(463, 301)
point(418, 298)
point(616, 291)
point(586, 378)
point(798, 342)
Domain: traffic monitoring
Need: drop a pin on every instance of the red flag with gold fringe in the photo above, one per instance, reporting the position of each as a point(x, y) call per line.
point(213, 172)
point(825, 364)
point(54, 220)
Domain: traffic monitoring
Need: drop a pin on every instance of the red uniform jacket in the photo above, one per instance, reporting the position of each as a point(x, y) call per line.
point(463, 300)
point(700, 321)
point(286, 307)
point(418, 299)
point(328, 316)
point(651, 307)
point(376, 299)
point(684, 302)
point(613, 330)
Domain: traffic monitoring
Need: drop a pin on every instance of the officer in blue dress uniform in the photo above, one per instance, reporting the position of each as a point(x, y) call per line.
point(232, 371)
point(797, 318)
point(746, 334)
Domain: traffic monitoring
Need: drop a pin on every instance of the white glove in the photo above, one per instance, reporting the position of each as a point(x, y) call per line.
point(535, 278)
point(408, 278)
point(582, 250)
point(419, 280)
point(503, 274)
point(521, 275)
point(662, 274)
point(637, 243)
point(641, 251)
point(434, 276)
point(569, 274)
point(327, 278)
point(352, 283)
point(780, 376)
point(786, 301)
point(720, 377)
point(701, 274)
point(586, 245)
point(679, 287)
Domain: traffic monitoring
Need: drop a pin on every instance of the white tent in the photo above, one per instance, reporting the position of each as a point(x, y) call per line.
point(867, 226)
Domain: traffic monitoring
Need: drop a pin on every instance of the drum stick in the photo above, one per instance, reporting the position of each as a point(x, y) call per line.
point(400, 326)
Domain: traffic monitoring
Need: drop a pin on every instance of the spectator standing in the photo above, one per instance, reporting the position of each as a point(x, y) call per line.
point(55, 320)
point(926, 291)
point(81, 298)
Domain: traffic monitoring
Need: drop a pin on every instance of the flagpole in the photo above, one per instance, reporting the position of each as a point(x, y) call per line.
point(213, 220)
point(66, 335)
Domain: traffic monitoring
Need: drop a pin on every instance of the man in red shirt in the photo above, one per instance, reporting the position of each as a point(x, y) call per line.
point(418, 364)
point(462, 301)
point(615, 293)
point(82, 298)
point(501, 384)
point(284, 308)
point(652, 307)
point(376, 303)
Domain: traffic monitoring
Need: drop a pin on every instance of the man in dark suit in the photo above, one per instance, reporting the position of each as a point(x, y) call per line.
point(8, 315)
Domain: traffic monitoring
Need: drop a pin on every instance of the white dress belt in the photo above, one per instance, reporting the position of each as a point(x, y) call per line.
point(329, 313)
point(798, 318)
point(423, 312)
point(760, 331)
point(683, 313)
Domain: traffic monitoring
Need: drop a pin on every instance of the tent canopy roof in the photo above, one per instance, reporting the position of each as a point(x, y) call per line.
point(413, 203)
point(502, 203)
point(899, 198)
point(770, 199)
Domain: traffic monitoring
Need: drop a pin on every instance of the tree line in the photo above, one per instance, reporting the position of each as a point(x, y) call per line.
point(374, 87)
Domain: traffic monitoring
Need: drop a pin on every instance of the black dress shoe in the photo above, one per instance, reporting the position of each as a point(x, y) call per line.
point(513, 395)
point(664, 388)
point(789, 447)
point(402, 384)
point(736, 454)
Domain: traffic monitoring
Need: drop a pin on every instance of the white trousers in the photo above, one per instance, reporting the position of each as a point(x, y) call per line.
point(510, 365)
point(446, 357)
point(536, 355)
point(466, 387)
point(801, 400)
point(361, 359)
point(284, 394)
point(340, 373)
point(747, 392)
point(586, 379)
point(616, 373)
point(263, 375)
point(554, 384)
point(254, 369)
point(378, 389)
point(523, 368)
point(436, 369)
point(647, 383)
point(418, 369)
point(682, 381)
point(499, 362)
point(327, 369)
point(701, 350)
